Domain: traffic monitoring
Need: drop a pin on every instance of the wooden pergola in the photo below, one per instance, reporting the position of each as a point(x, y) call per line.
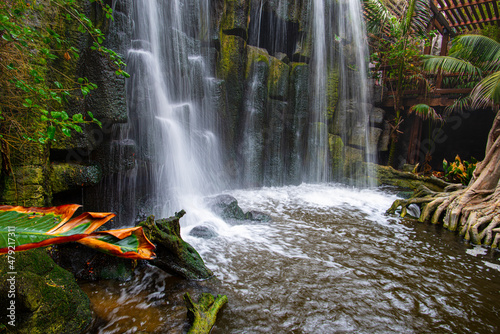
point(466, 15)
point(450, 18)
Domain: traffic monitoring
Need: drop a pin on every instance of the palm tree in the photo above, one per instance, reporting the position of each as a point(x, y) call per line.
point(473, 57)
point(396, 32)
point(475, 210)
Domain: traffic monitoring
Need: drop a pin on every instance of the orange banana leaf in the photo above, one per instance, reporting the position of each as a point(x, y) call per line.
point(24, 228)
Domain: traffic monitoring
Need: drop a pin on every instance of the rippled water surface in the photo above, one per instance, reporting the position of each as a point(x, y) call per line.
point(330, 262)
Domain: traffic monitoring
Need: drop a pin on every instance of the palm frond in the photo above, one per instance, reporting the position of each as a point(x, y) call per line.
point(448, 64)
point(487, 91)
point(459, 105)
point(418, 16)
point(378, 16)
point(480, 50)
point(426, 112)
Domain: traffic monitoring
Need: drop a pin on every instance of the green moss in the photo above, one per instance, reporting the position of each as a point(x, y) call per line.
point(236, 17)
point(278, 79)
point(336, 146)
point(390, 176)
point(25, 186)
point(332, 93)
point(174, 255)
point(254, 55)
point(48, 300)
point(67, 176)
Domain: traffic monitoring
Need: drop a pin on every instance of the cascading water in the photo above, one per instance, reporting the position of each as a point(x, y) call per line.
point(354, 100)
point(171, 117)
point(331, 44)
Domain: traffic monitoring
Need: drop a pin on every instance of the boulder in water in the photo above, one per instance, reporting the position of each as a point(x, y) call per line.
point(225, 206)
point(173, 254)
point(204, 232)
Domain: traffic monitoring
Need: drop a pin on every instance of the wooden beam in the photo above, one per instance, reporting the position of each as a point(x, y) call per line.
point(433, 101)
point(464, 19)
point(495, 9)
point(462, 5)
point(441, 19)
point(468, 13)
point(493, 19)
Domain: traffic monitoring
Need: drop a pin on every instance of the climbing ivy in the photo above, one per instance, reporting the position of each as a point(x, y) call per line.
point(28, 51)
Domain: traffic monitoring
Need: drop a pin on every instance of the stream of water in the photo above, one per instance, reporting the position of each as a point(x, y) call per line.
point(330, 262)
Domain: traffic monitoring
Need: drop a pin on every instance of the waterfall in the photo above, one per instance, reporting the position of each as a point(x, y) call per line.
point(354, 100)
point(171, 115)
point(304, 91)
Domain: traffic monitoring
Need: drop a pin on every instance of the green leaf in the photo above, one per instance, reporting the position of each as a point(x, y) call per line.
point(51, 131)
point(78, 118)
point(66, 131)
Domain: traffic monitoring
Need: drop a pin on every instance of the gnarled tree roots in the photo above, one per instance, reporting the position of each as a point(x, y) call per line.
point(475, 214)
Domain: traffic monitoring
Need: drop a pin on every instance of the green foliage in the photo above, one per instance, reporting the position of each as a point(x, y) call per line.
point(28, 52)
point(459, 171)
point(426, 112)
point(399, 41)
point(475, 61)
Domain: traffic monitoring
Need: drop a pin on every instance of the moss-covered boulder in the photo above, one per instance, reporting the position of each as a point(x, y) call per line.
point(173, 254)
point(254, 56)
point(45, 297)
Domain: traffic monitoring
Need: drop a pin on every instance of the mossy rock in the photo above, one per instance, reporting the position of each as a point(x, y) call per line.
point(236, 18)
point(47, 298)
point(67, 176)
point(255, 55)
point(25, 186)
point(336, 146)
point(332, 92)
point(278, 79)
point(173, 254)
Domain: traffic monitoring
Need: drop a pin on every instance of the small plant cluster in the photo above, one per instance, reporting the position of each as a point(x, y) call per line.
point(459, 171)
point(28, 51)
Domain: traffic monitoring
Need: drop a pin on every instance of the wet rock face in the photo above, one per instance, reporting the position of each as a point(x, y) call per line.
point(173, 254)
point(47, 298)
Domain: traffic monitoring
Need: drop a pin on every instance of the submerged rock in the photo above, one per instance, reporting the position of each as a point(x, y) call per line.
point(258, 216)
point(174, 255)
point(225, 206)
point(46, 297)
point(204, 232)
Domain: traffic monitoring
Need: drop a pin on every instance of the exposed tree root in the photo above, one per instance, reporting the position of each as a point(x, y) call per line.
point(476, 217)
point(474, 211)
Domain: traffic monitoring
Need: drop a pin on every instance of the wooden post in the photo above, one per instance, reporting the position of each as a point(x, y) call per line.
point(444, 52)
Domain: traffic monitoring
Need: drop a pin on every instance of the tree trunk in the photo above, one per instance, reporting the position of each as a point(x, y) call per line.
point(473, 211)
